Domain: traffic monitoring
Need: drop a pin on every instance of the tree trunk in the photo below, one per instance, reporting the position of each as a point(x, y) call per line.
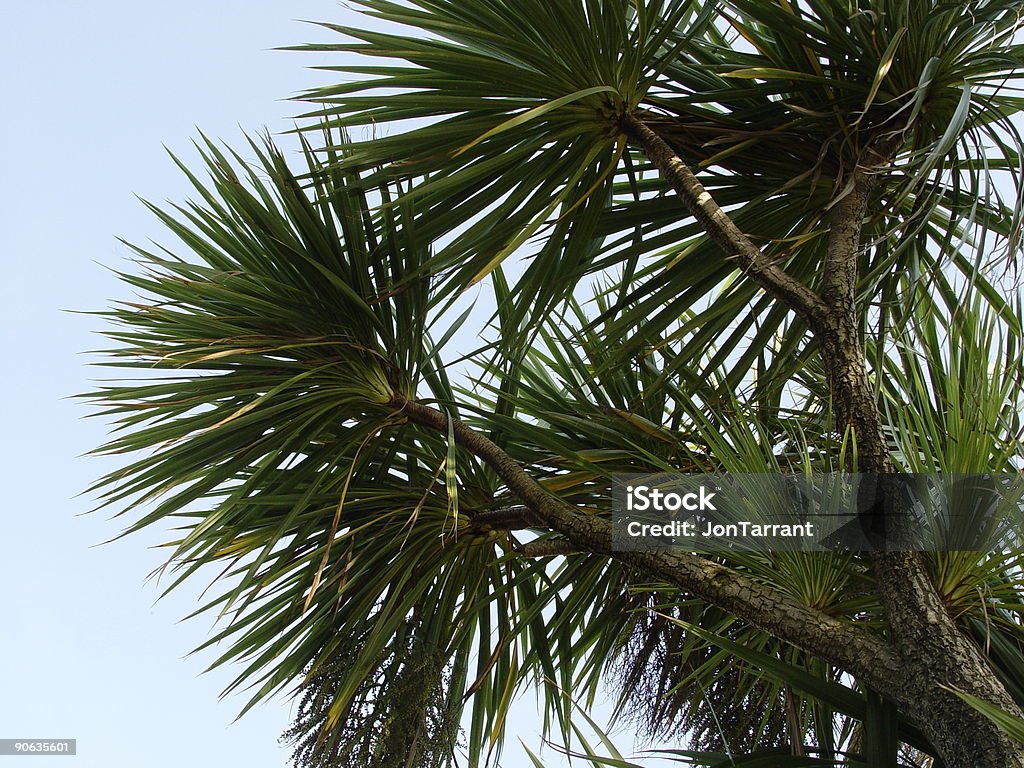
point(920, 627)
point(933, 651)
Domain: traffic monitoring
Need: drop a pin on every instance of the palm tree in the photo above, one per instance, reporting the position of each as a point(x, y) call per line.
point(783, 212)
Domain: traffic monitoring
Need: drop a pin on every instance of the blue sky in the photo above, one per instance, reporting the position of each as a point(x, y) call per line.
point(93, 92)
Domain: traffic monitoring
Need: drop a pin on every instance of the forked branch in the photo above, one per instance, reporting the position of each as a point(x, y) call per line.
point(851, 648)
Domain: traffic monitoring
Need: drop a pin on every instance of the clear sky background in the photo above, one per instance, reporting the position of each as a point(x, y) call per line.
point(91, 92)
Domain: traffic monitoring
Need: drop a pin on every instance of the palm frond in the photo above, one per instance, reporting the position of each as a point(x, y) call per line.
point(263, 428)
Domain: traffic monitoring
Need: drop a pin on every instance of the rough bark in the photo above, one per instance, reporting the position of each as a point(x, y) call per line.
point(720, 228)
point(514, 518)
point(806, 628)
point(963, 738)
point(920, 628)
point(933, 652)
point(549, 548)
point(837, 327)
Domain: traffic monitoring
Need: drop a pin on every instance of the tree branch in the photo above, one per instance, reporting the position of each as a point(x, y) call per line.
point(851, 648)
point(721, 228)
point(839, 274)
point(854, 400)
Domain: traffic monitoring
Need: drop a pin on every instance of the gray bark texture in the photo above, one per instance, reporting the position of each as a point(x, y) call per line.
point(932, 652)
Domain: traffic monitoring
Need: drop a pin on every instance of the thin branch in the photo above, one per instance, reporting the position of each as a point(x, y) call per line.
point(854, 399)
point(840, 269)
point(839, 273)
point(721, 228)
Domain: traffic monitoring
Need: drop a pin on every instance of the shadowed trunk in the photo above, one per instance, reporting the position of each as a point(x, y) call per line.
point(920, 627)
